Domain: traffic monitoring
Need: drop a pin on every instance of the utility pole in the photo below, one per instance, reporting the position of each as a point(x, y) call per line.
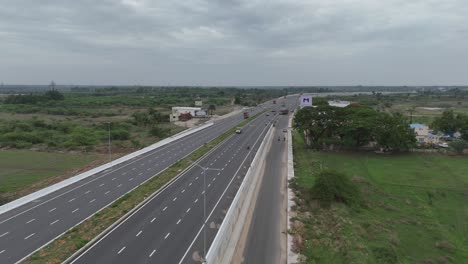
point(109, 145)
point(204, 169)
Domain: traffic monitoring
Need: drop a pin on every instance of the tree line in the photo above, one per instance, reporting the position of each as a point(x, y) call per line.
point(353, 127)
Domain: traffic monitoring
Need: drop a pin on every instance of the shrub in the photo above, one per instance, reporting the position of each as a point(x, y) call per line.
point(458, 145)
point(332, 186)
point(158, 132)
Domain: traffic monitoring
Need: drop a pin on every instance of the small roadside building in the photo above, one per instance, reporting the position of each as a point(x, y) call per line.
point(424, 135)
point(178, 111)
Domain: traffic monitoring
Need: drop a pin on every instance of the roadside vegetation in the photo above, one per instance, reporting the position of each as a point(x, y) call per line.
point(353, 127)
point(16, 173)
point(412, 207)
point(79, 121)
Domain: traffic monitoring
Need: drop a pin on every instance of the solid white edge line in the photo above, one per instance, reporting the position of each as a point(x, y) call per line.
point(137, 158)
point(158, 192)
point(219, 200)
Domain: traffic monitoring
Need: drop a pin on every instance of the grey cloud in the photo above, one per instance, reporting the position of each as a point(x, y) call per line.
point(232, 42)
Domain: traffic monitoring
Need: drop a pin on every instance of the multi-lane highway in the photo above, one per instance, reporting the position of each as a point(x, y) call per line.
point(170, 227)
point(27, 228)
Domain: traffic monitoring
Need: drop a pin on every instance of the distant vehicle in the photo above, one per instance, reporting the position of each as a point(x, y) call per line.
point(246, 115)
point(443, 145)
point(238, 130)
point(273, 110)
point(267, 114)
point(274, 101)
point(283, 111)
point(285, 130)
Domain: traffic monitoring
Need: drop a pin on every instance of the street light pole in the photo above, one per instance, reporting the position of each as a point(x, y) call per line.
point(204, 169)
point(110, 149)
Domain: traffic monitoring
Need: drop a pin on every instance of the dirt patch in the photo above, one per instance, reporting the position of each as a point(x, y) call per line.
point(444, 245)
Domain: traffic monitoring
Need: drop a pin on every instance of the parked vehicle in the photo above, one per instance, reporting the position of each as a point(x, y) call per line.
point(238, 130)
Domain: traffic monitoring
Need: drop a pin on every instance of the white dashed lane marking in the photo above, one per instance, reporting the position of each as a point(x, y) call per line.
point(54, 222)
point(92, 200)
point(107, 192)
point(139, 233)
point(164, 208)
point(51, 210)
point(120, 251)
point(74, 211)
point(152, 220)
point(4, 234)
point(150, 255)
point(71, 200)
point(167, 235)
point(30, 221)
point(30, 236)
point(178, 221)
point(196, 200)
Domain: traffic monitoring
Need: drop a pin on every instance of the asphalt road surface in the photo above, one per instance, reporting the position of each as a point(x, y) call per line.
point(27, 228)
point(169, 228)
point(266, 241)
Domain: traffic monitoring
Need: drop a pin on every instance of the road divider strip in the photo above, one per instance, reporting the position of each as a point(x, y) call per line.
point(223, 247)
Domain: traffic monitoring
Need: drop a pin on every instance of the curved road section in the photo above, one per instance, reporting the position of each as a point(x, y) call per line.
point(30, 227)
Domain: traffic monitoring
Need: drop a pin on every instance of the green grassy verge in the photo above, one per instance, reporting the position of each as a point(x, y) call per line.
point(416, 209)
point(20, 168)
point(63, 247)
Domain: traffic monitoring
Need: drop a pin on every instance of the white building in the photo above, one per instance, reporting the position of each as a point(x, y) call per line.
point(177, 111)
point(338, 103)
point(424, 135)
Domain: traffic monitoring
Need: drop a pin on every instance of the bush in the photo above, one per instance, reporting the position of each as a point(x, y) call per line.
point(332, 186)
point(158, 132)
point(458, 145)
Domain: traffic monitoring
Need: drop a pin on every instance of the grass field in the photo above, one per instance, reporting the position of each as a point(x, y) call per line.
point(20, 168)
point(417, 209)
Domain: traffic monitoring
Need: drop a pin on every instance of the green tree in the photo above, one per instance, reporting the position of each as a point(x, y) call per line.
point(141, 119)
point(332, 186)
point(458, 145)
point(318, 124)
point(394, 133)
point(359, 125)
point(212, 108)
point(54, 95)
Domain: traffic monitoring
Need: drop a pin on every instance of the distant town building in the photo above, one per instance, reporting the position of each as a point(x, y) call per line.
point(424, 135)
point(198, 103)
point(338, 103)
point(178, 111)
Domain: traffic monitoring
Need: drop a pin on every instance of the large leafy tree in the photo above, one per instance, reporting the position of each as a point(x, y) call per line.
point(318, 123)
point(359, 125)
point(393, 132)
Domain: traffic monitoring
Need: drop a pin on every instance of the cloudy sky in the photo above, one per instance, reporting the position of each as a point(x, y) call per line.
point(234, 42)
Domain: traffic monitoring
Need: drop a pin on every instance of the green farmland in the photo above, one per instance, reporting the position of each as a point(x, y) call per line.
point(21, 168)
point(416, 209)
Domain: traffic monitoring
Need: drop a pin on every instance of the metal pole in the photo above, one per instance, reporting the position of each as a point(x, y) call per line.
point(110, 150)
point(204, 215)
